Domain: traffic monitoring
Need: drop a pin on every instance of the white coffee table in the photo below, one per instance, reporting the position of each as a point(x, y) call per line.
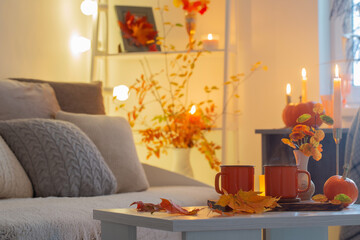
point(122, 223)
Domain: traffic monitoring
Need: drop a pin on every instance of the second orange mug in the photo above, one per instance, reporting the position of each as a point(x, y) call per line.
point(282, 181)
point(234, 178)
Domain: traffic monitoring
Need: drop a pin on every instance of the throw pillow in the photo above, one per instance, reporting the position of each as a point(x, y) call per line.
point(14, 183)
point(26, 100)
point(113, 137)
point(76, 97)
point(58, 157)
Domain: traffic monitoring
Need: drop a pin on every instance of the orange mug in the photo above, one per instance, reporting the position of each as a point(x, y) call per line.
point(234, 178)
point(282, 181)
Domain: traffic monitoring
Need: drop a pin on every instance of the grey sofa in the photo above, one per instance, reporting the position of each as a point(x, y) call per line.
point(70, 217)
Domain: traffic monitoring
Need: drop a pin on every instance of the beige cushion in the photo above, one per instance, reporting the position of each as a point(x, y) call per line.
point(76, 97)
point(113, 137)
point(14, 183)
point(26, 100)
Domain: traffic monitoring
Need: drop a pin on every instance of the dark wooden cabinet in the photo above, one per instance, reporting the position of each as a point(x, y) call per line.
point(275, 152)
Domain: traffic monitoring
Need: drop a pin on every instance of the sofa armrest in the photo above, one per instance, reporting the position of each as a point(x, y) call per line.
point(161, 177)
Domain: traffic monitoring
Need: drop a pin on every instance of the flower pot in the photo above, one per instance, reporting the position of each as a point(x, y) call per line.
point(302, 164)
point(181, 161)
point(190, 24)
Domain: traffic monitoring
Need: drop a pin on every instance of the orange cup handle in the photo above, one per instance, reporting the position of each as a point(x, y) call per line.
point(308, 182)
point(217, 178)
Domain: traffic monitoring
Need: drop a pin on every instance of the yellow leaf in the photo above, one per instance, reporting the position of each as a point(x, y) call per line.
point(319, 198)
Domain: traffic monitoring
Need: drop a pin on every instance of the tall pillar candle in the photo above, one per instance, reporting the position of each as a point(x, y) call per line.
point(337, 99)
point(303, 86)
point(288, 93)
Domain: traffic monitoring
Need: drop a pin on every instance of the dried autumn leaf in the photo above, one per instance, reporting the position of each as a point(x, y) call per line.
point(173, 208)
point(146, 207)
point(335, 202)
point(224, 200)
point(319, 198)
point(247, 202)
point(343, 198)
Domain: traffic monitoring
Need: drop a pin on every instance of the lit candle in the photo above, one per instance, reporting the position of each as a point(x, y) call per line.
point(192, 110)
point(210, 41)
point(262, 185)
point(304, 86)
point(194, 118)
point(337, 99)
point(288, 93)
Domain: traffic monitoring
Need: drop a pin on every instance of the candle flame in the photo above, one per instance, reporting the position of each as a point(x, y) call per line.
point(336, 71)
point(288, 89)
point(193, 109)
point(210, 36)
point(303, 73)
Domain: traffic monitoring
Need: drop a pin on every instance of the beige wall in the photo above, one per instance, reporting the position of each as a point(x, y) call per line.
point(284, 35)
point(34, 39)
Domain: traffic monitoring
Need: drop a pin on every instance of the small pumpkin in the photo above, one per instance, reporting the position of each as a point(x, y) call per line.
point(337, 184)
point(292, 111)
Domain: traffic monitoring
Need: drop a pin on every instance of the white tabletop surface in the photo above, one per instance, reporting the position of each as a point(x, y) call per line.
point(207, 220)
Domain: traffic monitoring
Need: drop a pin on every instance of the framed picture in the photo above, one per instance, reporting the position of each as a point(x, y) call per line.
point(138, 28)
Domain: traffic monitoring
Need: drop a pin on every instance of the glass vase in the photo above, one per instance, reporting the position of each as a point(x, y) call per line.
point(190, 24)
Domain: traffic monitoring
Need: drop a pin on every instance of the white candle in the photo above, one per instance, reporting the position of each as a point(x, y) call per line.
point(288, 93)
point(303, 86)
point(337, 99)
point(210, 41)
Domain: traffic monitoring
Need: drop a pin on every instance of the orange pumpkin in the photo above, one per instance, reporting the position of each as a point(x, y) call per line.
point(292, 111)
point(336, 185)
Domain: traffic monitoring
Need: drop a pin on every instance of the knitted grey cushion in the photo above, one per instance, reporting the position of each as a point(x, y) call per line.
point(58, 157)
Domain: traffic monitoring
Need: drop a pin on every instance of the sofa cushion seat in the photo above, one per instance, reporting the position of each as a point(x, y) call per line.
point(72, 218)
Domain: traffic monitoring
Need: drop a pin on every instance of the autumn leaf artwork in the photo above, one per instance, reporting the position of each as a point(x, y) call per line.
point(139, 31)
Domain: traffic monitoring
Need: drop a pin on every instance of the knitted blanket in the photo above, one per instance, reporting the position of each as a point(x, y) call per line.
point(65, 218)
point(352, 152)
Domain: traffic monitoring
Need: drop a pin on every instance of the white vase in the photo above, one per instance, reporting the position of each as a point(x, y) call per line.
point(302, 164)
point(181, 161)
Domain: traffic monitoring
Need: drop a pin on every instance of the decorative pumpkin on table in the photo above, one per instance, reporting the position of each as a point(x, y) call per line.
point(293, 111)
point(341, 185)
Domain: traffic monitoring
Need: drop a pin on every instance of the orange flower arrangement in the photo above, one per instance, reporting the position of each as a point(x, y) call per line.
point(197, 6)
point(307, 139)
point(179, 124)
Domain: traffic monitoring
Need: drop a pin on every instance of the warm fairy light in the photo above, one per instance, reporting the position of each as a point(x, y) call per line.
point(303, 73)
point(88, 7)
point(193, 109)
point(79, 44)
point(121, 92)
point(210, 36)
point(336, 72)
point(288, 89)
